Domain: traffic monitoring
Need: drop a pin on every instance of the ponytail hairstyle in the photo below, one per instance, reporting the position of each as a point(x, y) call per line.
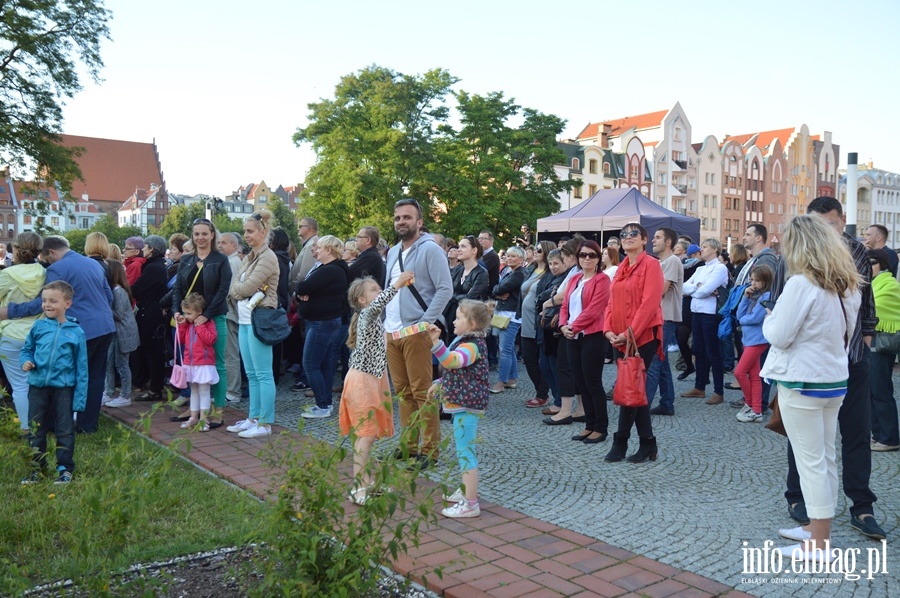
point(356, 292)
point(479, 313)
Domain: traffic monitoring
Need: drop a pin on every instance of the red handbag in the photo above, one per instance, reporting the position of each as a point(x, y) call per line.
point(631, 381)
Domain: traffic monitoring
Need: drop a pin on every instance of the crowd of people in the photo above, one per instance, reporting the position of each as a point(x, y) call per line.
point(452, 311)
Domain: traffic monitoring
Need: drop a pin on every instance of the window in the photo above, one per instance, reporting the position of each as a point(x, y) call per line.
point(663, 177)
point(85, 223)
point(715, 199)
point(54, 221)
point(781, 208)
point(576, 192)
point(727, 224)
point(262, 199)
point(27, 219)
point(705, 200)
point(592, 166)
point(2, 189)
point(677, 135)
point(576, 164)
point(713, 224)
point(606, 168)
point(693, 205)
point(712, 178)
point(634, 171)
point(703, 223)
point(771, 208)
point(591, 190)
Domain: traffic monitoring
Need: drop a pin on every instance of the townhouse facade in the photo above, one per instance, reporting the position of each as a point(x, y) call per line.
point(146, 208)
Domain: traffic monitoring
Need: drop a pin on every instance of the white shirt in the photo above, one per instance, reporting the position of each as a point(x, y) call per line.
point(392, 320)
point(703, 284)
point(575, 304)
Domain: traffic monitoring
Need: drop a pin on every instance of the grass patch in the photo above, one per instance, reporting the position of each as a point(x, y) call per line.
point(130, 501)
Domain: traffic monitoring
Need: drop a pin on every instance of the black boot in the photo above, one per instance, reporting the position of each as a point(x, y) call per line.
point(619, 448)
point(646, 451)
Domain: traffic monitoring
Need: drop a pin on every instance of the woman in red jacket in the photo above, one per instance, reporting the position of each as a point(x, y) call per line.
point(635, 302)
point(581, 322)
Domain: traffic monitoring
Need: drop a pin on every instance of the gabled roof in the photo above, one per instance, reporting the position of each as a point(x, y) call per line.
point(113, 168)
point(139, 198)
point(620, 125)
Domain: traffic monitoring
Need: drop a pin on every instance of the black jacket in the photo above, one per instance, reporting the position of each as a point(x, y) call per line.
point(512, 284)
point(213, 283)
point(492, 263)
point(475, 286)
point(284, 273)
point(147, 291)
point(326, 287)
point(368, 263)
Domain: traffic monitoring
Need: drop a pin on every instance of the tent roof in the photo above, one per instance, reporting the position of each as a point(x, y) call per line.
point(611, 209)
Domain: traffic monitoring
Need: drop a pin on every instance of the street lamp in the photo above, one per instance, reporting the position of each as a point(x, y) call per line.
point(212, 206)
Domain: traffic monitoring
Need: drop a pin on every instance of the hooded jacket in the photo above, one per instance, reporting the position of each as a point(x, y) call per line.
point(19, 284)
point(59, 354)
point(428, 263)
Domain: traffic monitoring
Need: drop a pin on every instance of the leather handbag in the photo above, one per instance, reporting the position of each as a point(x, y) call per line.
point(775, 422)
point(270, 324)
point(631, 381)
point(500, 322)
point(178, 377)
point(887, 342)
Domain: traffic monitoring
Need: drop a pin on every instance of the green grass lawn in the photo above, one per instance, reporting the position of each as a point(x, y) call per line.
point(130, 501)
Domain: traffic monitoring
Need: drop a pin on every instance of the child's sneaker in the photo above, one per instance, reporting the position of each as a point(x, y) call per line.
point(33, 478)
point(457, 496)
point(749, 417)
point(64, 477)
point(105, 399)
point(244, 424)
point(461, 510)
point(317, 413)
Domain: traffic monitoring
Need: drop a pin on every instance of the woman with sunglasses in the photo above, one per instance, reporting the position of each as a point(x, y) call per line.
point(206, 271)
point(531, 355)
point(581, 323)
point(635, 304)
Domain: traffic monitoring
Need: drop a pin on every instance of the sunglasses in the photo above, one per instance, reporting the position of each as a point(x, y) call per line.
point(873, 262)
point(588, 256)
point(631, 234)
point(205, 221)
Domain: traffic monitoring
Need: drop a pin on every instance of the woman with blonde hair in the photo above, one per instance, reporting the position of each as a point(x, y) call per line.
point(809, 331)
point(259, 272)
point(322, 302)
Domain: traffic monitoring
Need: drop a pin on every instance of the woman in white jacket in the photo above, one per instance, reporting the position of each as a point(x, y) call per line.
point(809, 332)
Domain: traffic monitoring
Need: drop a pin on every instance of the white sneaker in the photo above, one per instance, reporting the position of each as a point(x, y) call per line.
point(317, 413)
point(119, 402)
point(257, 431)
point(456, 497)
point(797, 534)
point(232, 398)
point(749, 417)
point(105, 399)
point(241, 426)
point(461, 510)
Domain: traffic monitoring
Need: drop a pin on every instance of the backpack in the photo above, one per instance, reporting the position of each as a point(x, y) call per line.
point(727, 310)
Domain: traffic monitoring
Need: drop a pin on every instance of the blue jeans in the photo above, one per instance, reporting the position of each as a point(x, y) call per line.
point(884, 405)
point(118, 362)
point(257, 358)
point(509, 366)
point(319, 353)
point(660, 373)
point(43, 404)
point(18, 380)
point(727, 345)
point(708, 352)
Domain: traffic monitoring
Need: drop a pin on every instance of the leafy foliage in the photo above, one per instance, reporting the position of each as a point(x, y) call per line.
point(386, 136)
point(45, 45)
point(108, 226)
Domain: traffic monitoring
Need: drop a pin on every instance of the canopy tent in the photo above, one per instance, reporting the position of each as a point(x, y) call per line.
point(608, 210)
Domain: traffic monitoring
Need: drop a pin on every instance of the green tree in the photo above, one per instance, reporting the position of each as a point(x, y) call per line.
point(107, 225)
point(498, 175)
point(180, 218)
point(375, 144)
point(46, 46)
point(284, 218)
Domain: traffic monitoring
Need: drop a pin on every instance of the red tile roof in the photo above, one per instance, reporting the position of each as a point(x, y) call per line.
point(619, 126)
point(112, 168)
point(763, 139)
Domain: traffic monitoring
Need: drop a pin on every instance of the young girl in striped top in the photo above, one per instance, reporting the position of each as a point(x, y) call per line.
point(464, 389)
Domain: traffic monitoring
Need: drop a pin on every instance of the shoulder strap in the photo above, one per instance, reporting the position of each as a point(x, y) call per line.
point(197, 275)
point(846, 323)
point(412, 288)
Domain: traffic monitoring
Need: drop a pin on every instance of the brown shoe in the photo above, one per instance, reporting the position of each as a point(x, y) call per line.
point(694, 393)
point(549, 410)
point(715, 399)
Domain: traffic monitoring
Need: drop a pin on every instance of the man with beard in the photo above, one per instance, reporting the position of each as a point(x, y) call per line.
point(409, 358)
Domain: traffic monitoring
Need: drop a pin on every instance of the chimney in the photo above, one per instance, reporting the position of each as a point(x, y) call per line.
point(869, 165)
point(604, 135)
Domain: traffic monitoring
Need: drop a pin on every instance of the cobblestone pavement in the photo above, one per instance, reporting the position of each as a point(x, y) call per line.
point(717, 484)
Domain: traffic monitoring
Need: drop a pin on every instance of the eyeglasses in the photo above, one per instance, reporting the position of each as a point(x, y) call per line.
point(129, 249)
point(631, 234)
point(588, 256)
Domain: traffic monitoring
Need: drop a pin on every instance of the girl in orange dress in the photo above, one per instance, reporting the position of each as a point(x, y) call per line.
point(366, 399)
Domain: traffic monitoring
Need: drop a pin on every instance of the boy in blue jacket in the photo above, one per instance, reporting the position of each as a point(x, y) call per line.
point(55, 357)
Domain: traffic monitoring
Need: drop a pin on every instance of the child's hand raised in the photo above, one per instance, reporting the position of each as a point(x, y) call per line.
point(405, 278)
point(434, 332)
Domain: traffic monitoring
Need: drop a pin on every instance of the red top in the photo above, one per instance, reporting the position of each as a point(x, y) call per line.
point(594, 298)
point(636, 300)
point(199, 343)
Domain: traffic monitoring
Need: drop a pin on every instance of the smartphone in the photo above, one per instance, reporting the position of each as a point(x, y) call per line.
point(768, 304)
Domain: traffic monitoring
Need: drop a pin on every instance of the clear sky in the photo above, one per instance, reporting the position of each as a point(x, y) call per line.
point(222, 85)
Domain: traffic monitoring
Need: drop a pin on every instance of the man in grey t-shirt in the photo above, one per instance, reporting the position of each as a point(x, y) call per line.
point(660, 373)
